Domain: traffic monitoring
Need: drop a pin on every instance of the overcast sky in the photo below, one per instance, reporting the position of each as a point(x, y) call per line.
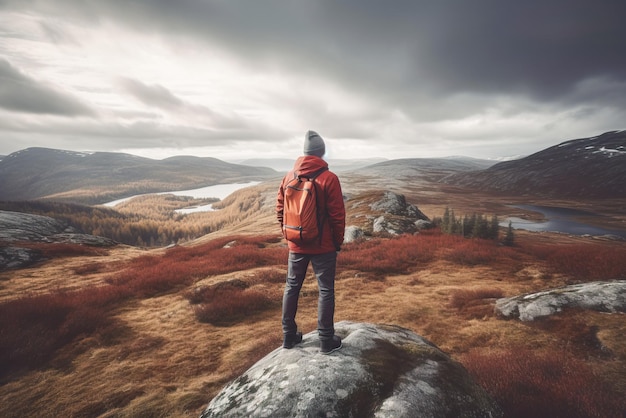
point(241, 79)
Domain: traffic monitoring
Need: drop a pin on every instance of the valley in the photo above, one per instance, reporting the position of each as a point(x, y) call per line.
point(151, 356)
point(564, 221)
point(158, 330)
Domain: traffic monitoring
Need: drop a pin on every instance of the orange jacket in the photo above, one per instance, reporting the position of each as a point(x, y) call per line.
point(330, 200)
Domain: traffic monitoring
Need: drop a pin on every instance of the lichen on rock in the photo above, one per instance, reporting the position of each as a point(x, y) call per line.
point(382, 371)
point(599, 296)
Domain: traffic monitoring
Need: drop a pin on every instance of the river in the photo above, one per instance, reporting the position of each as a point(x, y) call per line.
point(563, 220)
point(218, 191)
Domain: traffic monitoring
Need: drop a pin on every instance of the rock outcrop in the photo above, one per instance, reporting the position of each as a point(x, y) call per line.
point(391, 214)
point(599, 296)
point(396, 216)
point(20, 227)
point(353, 233)
point(18, 257)
point(382, 371)
point(396, 204)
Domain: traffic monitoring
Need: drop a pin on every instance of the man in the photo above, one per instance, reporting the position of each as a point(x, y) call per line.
point(320, 253)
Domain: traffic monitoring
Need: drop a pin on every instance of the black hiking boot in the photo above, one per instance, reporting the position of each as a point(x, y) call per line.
point(290, 340)
point(330, 346)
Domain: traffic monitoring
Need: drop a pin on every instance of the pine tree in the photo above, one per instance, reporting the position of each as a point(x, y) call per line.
point(445, 221)
point(495, 227)
point(509, 237)
point(466, 226)
point(454, 224)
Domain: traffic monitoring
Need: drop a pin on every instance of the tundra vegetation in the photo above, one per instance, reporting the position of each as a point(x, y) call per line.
point(148, 220)
point(128, 331)
point(472, 226)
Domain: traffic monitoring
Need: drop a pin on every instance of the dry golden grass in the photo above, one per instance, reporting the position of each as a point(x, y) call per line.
point(67, 273)
point(156, 359)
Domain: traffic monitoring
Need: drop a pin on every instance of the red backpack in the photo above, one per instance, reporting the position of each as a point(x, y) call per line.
point(302, 220)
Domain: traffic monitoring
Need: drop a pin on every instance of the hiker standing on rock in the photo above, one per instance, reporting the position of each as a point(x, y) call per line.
point(312, 216)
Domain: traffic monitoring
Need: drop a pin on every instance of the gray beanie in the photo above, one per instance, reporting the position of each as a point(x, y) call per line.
point(314, 144)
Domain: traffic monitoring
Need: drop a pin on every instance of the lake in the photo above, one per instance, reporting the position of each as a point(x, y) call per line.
point(218, 191)
point(564, 220)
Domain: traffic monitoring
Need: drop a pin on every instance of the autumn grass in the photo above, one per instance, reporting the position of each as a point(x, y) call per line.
point(59, 250)
point(187, 320)
point(543, 384)
point(586, 262)
point(180, 266)
point(34, 328)
point(151, 220)
point(406, 253)
point(231, 306)
point(475, 302)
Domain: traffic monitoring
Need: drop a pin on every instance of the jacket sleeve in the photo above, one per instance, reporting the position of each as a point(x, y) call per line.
point(336, 210)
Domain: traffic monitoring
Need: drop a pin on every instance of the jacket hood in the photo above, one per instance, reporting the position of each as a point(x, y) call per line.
point(308, 164)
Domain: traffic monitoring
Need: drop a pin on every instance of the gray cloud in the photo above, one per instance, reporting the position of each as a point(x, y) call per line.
point(56, 34)
point(154, 95)
point(21, 93)
point(430, 62)
point(405, 50)
point(160, 97)
point(541, 48)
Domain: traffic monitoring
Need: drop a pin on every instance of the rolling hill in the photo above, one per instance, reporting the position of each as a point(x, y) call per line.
point(432, 169)
point(586, 168)
point(286, 164)
point(159, 330)
point(92, 178)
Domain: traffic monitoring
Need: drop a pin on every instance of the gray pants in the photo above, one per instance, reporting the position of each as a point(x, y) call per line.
point(324, 266)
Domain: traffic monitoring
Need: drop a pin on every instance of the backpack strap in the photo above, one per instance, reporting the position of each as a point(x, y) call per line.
point(312, 176)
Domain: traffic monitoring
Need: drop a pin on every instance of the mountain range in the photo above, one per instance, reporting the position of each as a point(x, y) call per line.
point(286, 164)
point(93, 178)
point(592, 167)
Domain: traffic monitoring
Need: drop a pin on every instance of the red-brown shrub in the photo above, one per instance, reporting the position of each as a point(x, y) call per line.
point(406, 253)
point(554, 384)
point(231, 306)
point(209, 293)
point(397, 255)
point(473, 252)
point(270, 276)
point(89, 268)
point(34, 327)
point(160, 276)
point(462, 298)
point(589, 262)
point(583, 261)
point(475, 303)
point(151, 275)
point(57, 250)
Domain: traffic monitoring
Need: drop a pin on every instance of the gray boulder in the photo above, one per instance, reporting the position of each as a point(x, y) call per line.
point(599, 296)
point(353, 233)
point(382, 371)
point(396, 215)
point(395, 204)
point(394, 225)
point(18, 257)
point(17, 226)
